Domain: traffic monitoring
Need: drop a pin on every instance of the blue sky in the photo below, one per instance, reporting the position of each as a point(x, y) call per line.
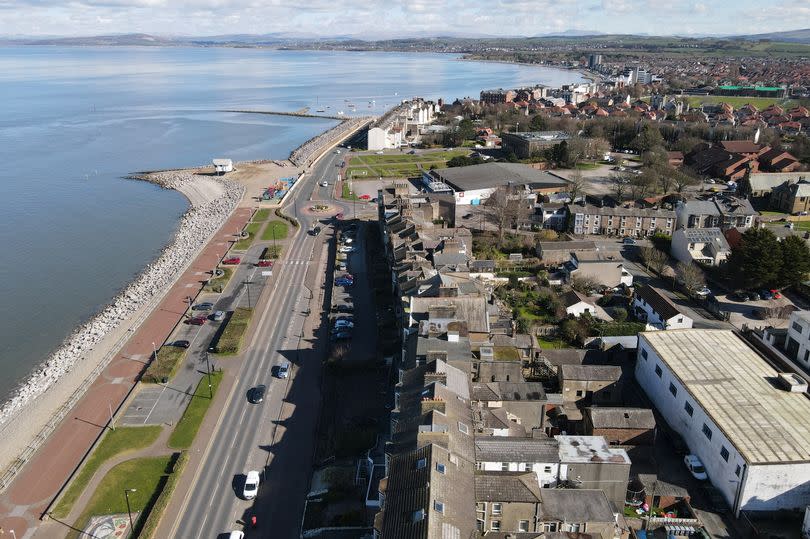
point(395, 18)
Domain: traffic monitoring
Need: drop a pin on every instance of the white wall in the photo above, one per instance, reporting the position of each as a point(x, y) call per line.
point(464, 198)
point(802, 338)
point(377, 139)
point(578, 309)
point(547, 472)
point(680, 321)
point(771, 487)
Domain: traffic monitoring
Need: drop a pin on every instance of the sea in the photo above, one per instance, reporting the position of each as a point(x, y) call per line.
point(75, 121)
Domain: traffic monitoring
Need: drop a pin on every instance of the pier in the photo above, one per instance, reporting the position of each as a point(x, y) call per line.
point(303, 113)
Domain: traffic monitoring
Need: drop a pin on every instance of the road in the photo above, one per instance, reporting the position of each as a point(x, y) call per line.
point(277, 436)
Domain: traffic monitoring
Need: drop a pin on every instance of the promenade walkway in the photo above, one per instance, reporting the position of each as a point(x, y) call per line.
point(30, 494)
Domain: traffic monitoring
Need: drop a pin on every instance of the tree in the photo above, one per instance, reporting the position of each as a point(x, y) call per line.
point(648, 138)
point(682, 180)
point(795, 261)
point(618, 184)
point(654, 259)
point(576, 184)
point(690, 275)
point(665, 178)
point(506, 207)
point(640, 184)
point(757, 261)
point(539, 122)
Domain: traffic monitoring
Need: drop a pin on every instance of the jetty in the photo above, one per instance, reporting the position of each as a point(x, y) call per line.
point(303, 113)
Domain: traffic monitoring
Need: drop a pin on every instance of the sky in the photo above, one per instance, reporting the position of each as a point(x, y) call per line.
point(375, 19)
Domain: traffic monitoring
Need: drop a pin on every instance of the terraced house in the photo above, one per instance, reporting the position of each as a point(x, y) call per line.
point(624, 220)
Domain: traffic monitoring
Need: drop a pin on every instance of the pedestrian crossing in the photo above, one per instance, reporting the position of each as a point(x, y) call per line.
point(294, 262)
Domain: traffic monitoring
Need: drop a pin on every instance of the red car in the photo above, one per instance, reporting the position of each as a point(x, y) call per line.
point(364, 197)
point(265, 264)
point(776, 294)
point(348, 276)
point(233, 261)
point(339, 216)
point(196, 321)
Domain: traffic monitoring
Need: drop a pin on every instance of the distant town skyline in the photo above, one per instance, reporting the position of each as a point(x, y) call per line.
point(383, 19)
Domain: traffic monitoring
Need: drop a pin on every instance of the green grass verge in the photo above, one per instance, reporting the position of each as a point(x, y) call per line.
point(164, 365)
point(150, 525)
point(252, 229)
point(737, 102)
point(186, 429)
point(797, 225)
point(114, 442)
point(218, 284)
point(551, 343)
point(348, 195)
point(394, 158)
point(768, 213)
point(588, 166)
point(231, 339)
point(278, 228)
point(145, 475)
point(262, 215)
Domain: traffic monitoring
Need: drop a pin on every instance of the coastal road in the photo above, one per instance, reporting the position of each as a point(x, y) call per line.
point(275, 437)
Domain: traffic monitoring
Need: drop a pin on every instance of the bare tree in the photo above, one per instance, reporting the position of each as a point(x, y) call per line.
point(618, 185)
point(682, 181)
point(654, 259)
point(505, 208)
point(640, 185)
point(576, 185)
point(690, 275)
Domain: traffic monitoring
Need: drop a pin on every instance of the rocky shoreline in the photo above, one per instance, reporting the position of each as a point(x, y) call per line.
point(211, 201)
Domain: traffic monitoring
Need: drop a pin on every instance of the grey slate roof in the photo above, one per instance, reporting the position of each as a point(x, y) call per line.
point(508, 391)
point(621, 418)
point(574, 505)
point(503, 449)
point(495, 175)
point(658, 301)
point(507, 487)
point(607, 373)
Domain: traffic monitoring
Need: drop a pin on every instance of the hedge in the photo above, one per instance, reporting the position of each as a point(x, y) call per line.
point(155, 513)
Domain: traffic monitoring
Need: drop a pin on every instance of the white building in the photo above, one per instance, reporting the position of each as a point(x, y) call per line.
point(221, 166)
point(719, 395)
point(654, 307)
point(797, 342)
point(705, 245)
point(538, 455)
point(394, 128)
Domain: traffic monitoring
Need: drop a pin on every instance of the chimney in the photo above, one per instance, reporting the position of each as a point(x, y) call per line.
point(448, 291)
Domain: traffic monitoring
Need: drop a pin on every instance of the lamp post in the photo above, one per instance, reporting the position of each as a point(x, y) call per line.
point(208, 370)
point(154, 351)
point(247, 286)
point(129, 512)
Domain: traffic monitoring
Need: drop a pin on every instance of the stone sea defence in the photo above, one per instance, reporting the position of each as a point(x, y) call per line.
point(308, 151)
point(212, 201)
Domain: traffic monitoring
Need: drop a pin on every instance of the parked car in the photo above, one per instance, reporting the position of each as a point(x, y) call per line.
point(236, 534)
point(753, 296)
point(695, 467)
point(181, 344)
point(765, 294)
point(218, 316)
point(339, 216)
point(628, 241)
point(283, 370)
point(776, 294)
point(364, 197)
point(704, 292)
point(324, 183)
point(257, 394)
point(346, 240)
point(742, 297)
point(341, 336)
point(264, 264)
point(251, 485)
point(343, 324)
point(232, 261)
point(343, 282)
point(196, 320)
point(315, 231)
point(348, 276)
point(344, 319)
point(343, 308)
point(202, 307)
point(347, 249)
point(342, 266)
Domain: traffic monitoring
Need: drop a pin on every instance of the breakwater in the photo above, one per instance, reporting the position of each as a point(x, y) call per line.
point(306, 153)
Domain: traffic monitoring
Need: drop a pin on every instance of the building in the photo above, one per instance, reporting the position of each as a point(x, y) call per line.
point(751, 91)
point(791, 198)
point(552, 253)
point(797, 341)
point(509, 454)
point(587, 219)
point(621, 426)
point(494, 97)
point(714, 162)
point(704, 245)
point(577, 304)
point(588, 462)
point(758, 186)
point(552, 215)
point(221, 166)
point(523, 145)
point(400, 125)
point(603, 270)
point(586, 385)
point(776, 160)
point(651, 305)
point(723, 399)
point(721, 211)
point(594, 60)
point(472, 185)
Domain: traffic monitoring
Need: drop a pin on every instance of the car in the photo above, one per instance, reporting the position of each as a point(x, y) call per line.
point(765, 294)
point(695, 467)
point(342, 266)
point(341, 336)
point(776, 294)
point(742, 297)
point(257, 394)
point(375, 200)
point(337, 152)
point(412, 152)
point(343, 327)
point(232, 261)
point(315, 231)
point(628, 241)
point(343, 282)
point(379, 152)
point(218, 316)
point(343, 308)
point(346, 249)
point(339, 216)
point(196, 320)
point(324, 183)
point(347, 240)
point(283, 370)
point(349, 319)
point(181, 344)
point(703, 292)
point(348, 276)
point(364, 197)
point(264, 264)
point(251, 485)
point(202, 307)
point(753, 296)
point(236, 534)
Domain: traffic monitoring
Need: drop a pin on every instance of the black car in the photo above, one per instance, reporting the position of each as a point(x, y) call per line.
point(753, 296)
point(738, 296)
point(257, 394)
point(343, 308)
point(181, 344)
point(342, 336)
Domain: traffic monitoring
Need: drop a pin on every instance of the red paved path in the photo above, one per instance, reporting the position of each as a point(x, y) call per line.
point(28, 496)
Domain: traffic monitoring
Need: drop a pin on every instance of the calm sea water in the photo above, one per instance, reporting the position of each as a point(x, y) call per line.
point(74, 121)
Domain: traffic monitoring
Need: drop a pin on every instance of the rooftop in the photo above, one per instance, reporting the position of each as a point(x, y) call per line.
point(621, 418)
point(604, 373)
point(495, 175)
point(507, 449)
point(585, 449)
point(659, 302)
point(732, 383)
point(542, 136)
point(704, 235)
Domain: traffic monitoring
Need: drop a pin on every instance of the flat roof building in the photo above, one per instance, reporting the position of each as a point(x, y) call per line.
point(523, 145)
point(724, 399)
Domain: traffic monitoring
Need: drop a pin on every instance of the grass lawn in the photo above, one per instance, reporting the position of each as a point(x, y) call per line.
point(218, 284)
point(345, 193)
point(186, 429)
point(114, 442)
point(164, 365)
point(553, 343)
point(399, 164)
point(252, 229)
point(395, 158)
point(588, 166)
point(231, 339)
point(737, 102)
point(145, 475)
point(774, 214)
point(262, 215)
point(276, 229)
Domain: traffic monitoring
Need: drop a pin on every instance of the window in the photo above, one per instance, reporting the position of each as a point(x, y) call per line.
point(497, 508)
point(463, 428)
point(673, 389)
point(421, 463)
point(440, 467)
point(724, 453)
point(658, 371)
point(579, 393)
point(707, 431)
point(737, 471)
point(438, 506)
point(546, 469)
point(644, 353)
point(504, 466)
point(688, 408)
point(523, 526)
point(549, 526)
point(797, 327)
point(418, 516)
point(680, 319)
point(495, 526)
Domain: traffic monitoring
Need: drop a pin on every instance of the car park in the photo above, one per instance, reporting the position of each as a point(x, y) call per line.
point(218, 316)
point(232, 261)
point(257, 394)
point(181, 344)
point(695, 467)
point(196, 320)
point(251, 485)
point(742, 297)
point(283, 370)
point(202, 307)
point(264, 264)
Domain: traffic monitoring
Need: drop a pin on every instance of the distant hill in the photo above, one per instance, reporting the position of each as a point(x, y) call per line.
point(790, 36)
point(103, 41)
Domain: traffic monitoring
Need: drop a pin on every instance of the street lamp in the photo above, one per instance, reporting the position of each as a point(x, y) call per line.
point(247, 286)
point(154, 350)
point(129, 512)
point(208, 370)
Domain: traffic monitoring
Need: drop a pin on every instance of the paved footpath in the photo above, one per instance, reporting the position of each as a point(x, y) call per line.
point(26, 499)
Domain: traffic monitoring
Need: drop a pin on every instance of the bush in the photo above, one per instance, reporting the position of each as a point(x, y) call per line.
point(164, 365)
point(282, 215)
point(230, 342)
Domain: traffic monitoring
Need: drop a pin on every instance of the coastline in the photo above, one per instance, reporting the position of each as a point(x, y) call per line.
point(58, 381)
point(584, 72)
